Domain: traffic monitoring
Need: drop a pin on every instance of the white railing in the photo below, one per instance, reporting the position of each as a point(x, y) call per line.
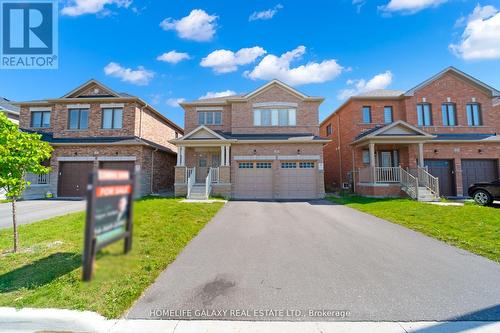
point(379, 175)
point(208, 183)
point(214, 175)
point(427, 180)
point(409, 183)
point(43, 179)
point(191, 175)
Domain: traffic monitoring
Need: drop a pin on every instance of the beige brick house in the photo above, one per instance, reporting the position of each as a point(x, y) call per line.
point(260, 145)
point(95, 127)
point(435, 139)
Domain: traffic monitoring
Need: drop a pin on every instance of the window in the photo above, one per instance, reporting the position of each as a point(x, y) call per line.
point(306, 165)
point(289, 165)
point(474, 115)
point(274, 117)
point(263, 165)
point(424, 114)
point(245, 165)
point(388, 115)
point(209, 118)
point(329, 130)
point(449, 114)
point(40, 119)
point(78, 118)
point(176, 135)
point(366, 156)
point(112, 118)
point(367, 114)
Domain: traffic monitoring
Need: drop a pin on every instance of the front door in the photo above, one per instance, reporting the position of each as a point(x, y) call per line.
point(388, 159)
point(201, 167)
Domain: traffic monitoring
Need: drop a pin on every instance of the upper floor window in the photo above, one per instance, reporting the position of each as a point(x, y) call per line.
point(474, 115)
point(329, 130)
point(78, 118)
point(388, 115)
point(424, 114)
point(209, 118)
point(449, 114)
point(274, 117)
point(40, 119)
point(112, 118)
point(367, 114)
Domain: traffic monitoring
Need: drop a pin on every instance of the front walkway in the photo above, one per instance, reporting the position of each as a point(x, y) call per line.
point(30, 211)
point(319, 256)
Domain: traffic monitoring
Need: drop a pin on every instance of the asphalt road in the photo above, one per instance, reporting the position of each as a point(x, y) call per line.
point(319, 256)
point(30, 211)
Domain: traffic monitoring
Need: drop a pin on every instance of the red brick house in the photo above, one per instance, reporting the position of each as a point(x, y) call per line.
point(260, 145)
point(95, 127)
point(396, 143)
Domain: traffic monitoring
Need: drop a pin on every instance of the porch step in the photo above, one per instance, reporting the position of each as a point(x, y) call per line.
point(198, 192)
point(425, 195)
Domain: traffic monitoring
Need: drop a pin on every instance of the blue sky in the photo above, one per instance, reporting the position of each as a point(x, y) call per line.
point(344, 47)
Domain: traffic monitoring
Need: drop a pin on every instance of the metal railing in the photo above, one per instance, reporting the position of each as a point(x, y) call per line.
point(427, 180)
point(409, 183)
point(43, 179)
point(191, 175)
point(209, 180)
point(214, 175)
point(380, 175)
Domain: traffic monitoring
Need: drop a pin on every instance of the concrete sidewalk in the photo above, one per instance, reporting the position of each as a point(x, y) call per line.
point(55, 320)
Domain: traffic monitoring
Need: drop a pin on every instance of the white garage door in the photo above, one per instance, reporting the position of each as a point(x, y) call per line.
point(297, 180)
point(254, 180)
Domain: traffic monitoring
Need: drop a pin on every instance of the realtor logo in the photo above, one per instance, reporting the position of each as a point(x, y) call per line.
point(28, 34)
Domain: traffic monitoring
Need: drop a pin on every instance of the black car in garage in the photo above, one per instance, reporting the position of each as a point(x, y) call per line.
point(485, 193)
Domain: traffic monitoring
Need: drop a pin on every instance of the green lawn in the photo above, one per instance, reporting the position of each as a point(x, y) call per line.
point(470, 227)
point(47, 271)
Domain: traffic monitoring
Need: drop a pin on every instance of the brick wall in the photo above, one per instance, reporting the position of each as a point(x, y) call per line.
point(153, 128)
point(191, 119)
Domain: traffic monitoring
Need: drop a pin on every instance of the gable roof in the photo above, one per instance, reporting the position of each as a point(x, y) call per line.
point(6, 106)
point(209, 134)
point(74, 93)
point(453, 70)
point(396, 130)
point(245, 97)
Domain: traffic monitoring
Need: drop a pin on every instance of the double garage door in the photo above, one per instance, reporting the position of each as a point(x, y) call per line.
point(275, 180)
point(73, 176)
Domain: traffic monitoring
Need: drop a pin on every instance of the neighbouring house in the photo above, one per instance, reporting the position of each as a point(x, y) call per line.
point(11, 111)
point(260, 145)
point(95, 127)
point(434, 139)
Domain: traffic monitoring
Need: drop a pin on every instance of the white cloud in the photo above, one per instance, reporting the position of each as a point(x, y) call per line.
point(481, 37)
point(212, 94)
point(173, 57)
point(139, 76)
point(274, 67)
point(174, 102)
point(265, 14)
point(410, 6)
point(81, 7)
point(359, 4)
point(379, 81)
point(198, 25)
point(225, 61)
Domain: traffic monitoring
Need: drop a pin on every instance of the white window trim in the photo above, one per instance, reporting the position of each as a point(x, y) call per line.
point(291, 115)
point(274, 104)
point(209, 108)
point(37, 108)
point(112, 105)
point(78, 106)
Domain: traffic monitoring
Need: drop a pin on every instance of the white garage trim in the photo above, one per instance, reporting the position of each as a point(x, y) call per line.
point(116, 158)
point(299, 158)
point(255, 158)
point(76, 158)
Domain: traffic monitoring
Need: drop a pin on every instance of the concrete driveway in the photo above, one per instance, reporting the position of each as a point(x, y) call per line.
point(30, 211)
point(319, 256)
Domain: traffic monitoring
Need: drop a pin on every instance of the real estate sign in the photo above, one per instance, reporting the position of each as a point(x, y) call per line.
point(109, 213)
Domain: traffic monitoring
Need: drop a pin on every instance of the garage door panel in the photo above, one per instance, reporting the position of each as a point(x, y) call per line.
point(296, 182)
point(73, 178)
point(118, 165)
point(478, 170)
point(252, 182)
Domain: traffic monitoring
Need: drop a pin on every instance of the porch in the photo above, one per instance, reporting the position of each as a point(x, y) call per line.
point(389, 162)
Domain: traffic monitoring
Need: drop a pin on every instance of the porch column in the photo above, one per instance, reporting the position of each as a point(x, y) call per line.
point(421, 155)
point(371, 147)
point(222, 156)
point(227, 155)
point(183, 155)
point(178, 156)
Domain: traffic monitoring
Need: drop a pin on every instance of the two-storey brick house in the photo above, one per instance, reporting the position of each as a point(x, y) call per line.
point(386, 140)
point(96, 127)
point(260, 145)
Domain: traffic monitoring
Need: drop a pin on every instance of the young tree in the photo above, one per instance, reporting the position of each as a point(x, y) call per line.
point(20, 153)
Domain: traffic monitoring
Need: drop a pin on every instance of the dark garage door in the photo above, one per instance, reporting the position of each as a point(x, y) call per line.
point(443, 169)
point(117, 165)
point(474, 171)
point(73, 178)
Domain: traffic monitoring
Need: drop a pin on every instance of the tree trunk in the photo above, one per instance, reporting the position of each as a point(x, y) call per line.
point(14, 223)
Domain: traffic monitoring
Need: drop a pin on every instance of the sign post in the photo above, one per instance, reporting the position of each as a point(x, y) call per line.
point(109, 214)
